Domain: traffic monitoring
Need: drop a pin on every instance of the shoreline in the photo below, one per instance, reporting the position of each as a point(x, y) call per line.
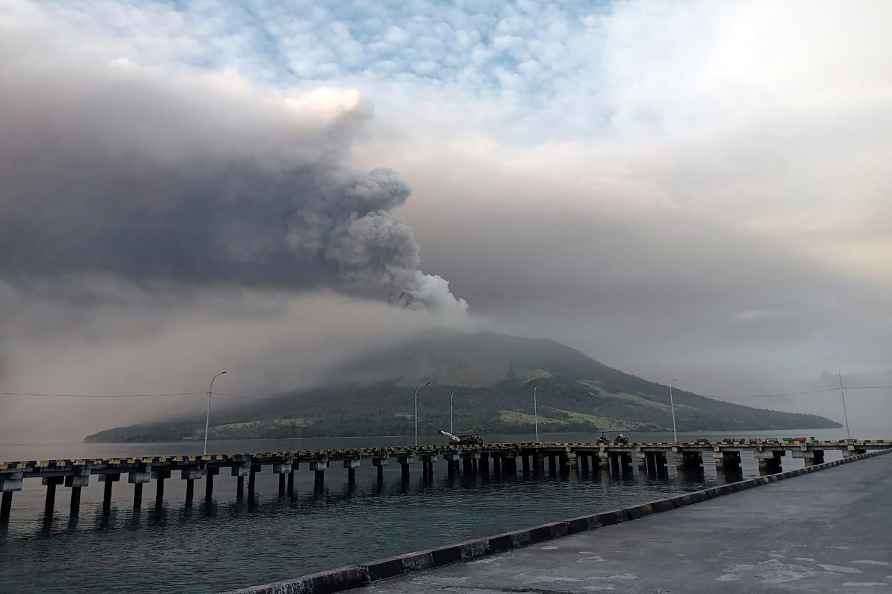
point(695, 432)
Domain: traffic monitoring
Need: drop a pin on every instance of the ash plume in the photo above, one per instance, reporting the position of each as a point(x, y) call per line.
point(114, 170)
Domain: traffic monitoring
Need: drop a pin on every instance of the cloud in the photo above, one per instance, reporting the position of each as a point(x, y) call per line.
point(153, 176)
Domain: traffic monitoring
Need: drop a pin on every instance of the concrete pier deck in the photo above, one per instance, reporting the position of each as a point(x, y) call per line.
point(829, 531)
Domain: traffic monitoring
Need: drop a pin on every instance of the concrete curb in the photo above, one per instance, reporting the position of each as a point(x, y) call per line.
point(355, 576)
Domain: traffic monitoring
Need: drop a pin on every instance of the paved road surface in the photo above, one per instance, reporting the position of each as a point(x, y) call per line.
point(830, 531)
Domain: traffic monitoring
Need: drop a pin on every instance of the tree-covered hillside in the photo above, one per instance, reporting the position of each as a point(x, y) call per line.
point(492, 377)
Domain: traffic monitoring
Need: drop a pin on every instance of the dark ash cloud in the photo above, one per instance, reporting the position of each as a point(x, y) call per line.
point(116, 170)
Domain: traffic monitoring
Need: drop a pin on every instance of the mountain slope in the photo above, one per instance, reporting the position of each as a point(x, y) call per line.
point(470, 359)
point(491, 376)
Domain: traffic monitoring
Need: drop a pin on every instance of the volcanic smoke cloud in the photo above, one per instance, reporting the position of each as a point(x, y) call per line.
point(114, 170)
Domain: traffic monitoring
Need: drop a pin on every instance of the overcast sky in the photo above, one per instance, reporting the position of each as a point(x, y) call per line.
point(690, 191)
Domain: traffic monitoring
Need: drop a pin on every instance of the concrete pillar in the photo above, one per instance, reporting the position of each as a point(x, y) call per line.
point(592, 459)
point(160, 475)
point(76, 483)
point(538, 463)
point(427, 468)
point(50, 503)
point(649, 464)
point(189, 475)
point(351, 466)
point(252, 482)
point(137, 497)
point(583, 460)
point(691, 459)
point(653, 461)
point(282, 470)
point(625, 463)
point(109, 480)
point(379, 463)
point(769, 461)
point(291, 479)
point(728, 461)
point(404, 468)
point(5, 507)
point(74, 508)
point(809, 457)
point(484, 463)
point(209, 473)
point(467, 464)
point(10, 482)
point(138, 478)
point(655, 464)
point(552, 464)
point(509, 464)
point(564, 460)
point(661, 463)
point(525, 463)
point(451, 463)
point(239, 470)
point(497, 464)
point(319, 467)
point(240, 488)
point(621, 463)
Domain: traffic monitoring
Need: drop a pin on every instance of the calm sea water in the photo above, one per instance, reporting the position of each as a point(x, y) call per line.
point(227, 545)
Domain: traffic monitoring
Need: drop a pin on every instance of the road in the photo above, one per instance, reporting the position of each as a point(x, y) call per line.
point(830, 531)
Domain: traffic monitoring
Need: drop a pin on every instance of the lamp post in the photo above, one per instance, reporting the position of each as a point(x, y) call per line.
point(535, 413)
point(207, 417)
point(415, 400)
point(451, 424)
point(845, 412)
point(672, 405)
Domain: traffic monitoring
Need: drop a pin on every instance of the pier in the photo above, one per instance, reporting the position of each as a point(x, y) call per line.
point(828, 531)
point(818, 528)
point(492, 460)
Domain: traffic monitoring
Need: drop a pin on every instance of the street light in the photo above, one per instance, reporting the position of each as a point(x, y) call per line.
point(672, 405)
point(535, 412)
point(415, 400)
point(207, 417)
point(845, 413)
point(451, 425)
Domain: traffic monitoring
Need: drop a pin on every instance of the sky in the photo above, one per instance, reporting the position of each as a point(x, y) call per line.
point(697, 192)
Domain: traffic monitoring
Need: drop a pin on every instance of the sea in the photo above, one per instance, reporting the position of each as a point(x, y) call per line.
point(228, 545)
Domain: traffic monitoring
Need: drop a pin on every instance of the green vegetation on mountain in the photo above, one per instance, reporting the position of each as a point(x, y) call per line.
point(492, 377)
